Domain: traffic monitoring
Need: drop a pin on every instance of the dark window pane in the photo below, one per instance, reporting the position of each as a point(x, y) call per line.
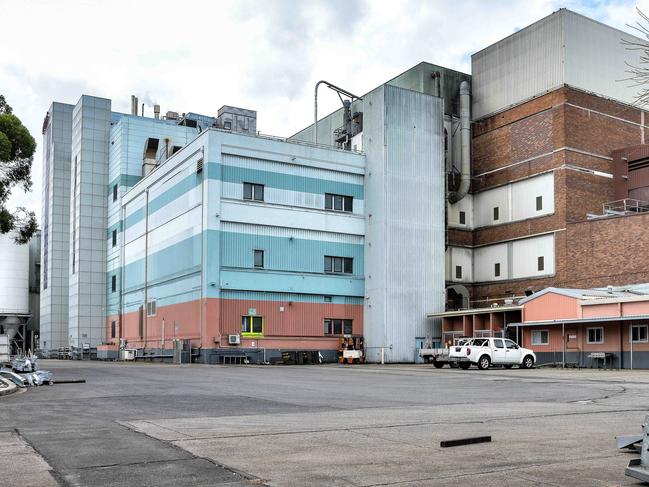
point(458, 272)
point(349, 266)
point(327, 299)
point(257, 324)
point(327, 264)
point(349, 203)
point(462, 218)
point(115, 193)
point(347, 327)
point(327, 327)
point(541, 263)
point(539, 203)
point(113, 283)
point(496, 213)
point(338, 264)
point(245, 324)
point(497, 269)
point(259, 192)
point(338, 203)
point(338, 327)
point(114, 238)
point(328, 202)
point(498, 344)
point(247, 191)
point(259, 258)
point(112, 329)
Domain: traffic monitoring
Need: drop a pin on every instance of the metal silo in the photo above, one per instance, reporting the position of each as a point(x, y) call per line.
point(14, 285)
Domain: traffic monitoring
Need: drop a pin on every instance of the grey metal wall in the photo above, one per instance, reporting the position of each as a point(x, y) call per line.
point(563, 48)
point(404, 191)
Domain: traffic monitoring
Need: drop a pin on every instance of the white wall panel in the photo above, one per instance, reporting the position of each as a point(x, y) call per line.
point(524, 194)
point(180, 228)
point(486, 201)
point(465, 205)
point(525, 255)
point(459, 256)
point(485, 259)
point(269, 231)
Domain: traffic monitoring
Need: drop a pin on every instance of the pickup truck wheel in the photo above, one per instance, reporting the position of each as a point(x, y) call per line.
point(528, 362)
point(438, 365)
point(484, 362)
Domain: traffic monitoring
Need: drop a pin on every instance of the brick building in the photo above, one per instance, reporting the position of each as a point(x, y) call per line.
point(554, 143)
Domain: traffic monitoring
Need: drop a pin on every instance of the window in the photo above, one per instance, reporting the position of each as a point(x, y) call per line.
point(113, 284)
point(337, 202)
point(252, 325)
point(337, 327)
point(539, 203)
point(112, 329)
point(498, 344)
point(140, 321)
point(458, 272)
point(114, 192)
point(253, 191)
point(639, 333)
point(462, 218)
point(259, 259)
point(327, 299)
point(540, 337)
point(151, 308)
point(339, 265)
point(511, 345)
point(497, 269)
point(114, 238)
point(595, 335)
point(496, 213)
point(540, 263)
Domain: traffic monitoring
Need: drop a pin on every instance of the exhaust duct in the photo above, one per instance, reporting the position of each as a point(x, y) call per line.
point(465, 139)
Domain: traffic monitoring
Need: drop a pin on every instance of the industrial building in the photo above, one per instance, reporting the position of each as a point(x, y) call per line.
point(435, 191)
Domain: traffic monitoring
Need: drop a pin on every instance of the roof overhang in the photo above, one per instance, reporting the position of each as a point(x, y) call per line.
point(578, 321)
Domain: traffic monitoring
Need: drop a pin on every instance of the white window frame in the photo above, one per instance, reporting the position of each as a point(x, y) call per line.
point(151, 308)
point(646, 327)
point(588, 341)
point(541, 344)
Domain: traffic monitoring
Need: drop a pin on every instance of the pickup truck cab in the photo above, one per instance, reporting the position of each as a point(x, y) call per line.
point(485, 352)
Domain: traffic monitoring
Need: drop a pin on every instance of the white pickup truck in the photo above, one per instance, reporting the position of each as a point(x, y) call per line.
point(484, 352)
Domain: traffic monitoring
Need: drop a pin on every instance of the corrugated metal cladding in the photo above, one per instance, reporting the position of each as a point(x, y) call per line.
point(404, 250)
point(563, 48)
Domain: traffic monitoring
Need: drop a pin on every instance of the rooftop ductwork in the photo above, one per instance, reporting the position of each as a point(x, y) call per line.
point(465, 138)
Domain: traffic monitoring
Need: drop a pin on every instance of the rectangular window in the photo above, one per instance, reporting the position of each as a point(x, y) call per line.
point(496, 213)
point(259, 258)
point(337, 327)
point(540, 263)
point(151, 308)
point(497, 269)
point(112, 329)
point(462, 218)
point(339, 265)
point(337, 202)
point(114, 238)
point(115, 192)
point(327, 299)
point(140, 321)
point(639, 333)
point(252, 191)
point(113, 283)
point(252, 325)
point(595, 335)
point(458, 272)
point(540, 337)
point(539, 203)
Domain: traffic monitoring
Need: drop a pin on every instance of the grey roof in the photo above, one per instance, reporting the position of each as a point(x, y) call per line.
point(585, 293)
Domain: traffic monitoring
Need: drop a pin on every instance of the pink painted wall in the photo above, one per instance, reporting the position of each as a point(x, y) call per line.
point(551, 306)
point(600, 310)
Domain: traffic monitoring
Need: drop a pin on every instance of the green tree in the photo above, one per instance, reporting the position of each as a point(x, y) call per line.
point(17, 148)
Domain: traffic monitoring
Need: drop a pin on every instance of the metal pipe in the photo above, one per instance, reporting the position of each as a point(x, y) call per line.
point(315, 103)
point(563, 353)
point(465, 138)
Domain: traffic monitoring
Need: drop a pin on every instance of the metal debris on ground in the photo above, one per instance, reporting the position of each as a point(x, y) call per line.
point(639, 467)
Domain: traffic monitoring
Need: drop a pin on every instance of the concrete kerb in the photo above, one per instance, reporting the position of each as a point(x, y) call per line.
point(7, 387)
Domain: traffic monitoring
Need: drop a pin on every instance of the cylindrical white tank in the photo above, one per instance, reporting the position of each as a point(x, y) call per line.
point(14, 277)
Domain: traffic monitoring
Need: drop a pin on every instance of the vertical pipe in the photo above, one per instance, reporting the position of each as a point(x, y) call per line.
point(146, 266)
point(631, 343)
point(563, 353)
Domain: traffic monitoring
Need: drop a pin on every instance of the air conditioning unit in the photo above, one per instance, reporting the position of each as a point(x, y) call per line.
point(234, 339)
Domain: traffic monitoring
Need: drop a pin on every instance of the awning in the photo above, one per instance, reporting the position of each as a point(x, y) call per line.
point(578, 321)
point(474, 311)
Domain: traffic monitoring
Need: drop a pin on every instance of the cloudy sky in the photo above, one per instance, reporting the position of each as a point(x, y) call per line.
point(264, 55)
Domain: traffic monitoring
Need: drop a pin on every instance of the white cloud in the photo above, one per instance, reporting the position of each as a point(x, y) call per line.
point(196, 56)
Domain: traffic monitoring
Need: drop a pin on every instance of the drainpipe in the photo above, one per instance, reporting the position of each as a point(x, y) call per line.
point(465, 137)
